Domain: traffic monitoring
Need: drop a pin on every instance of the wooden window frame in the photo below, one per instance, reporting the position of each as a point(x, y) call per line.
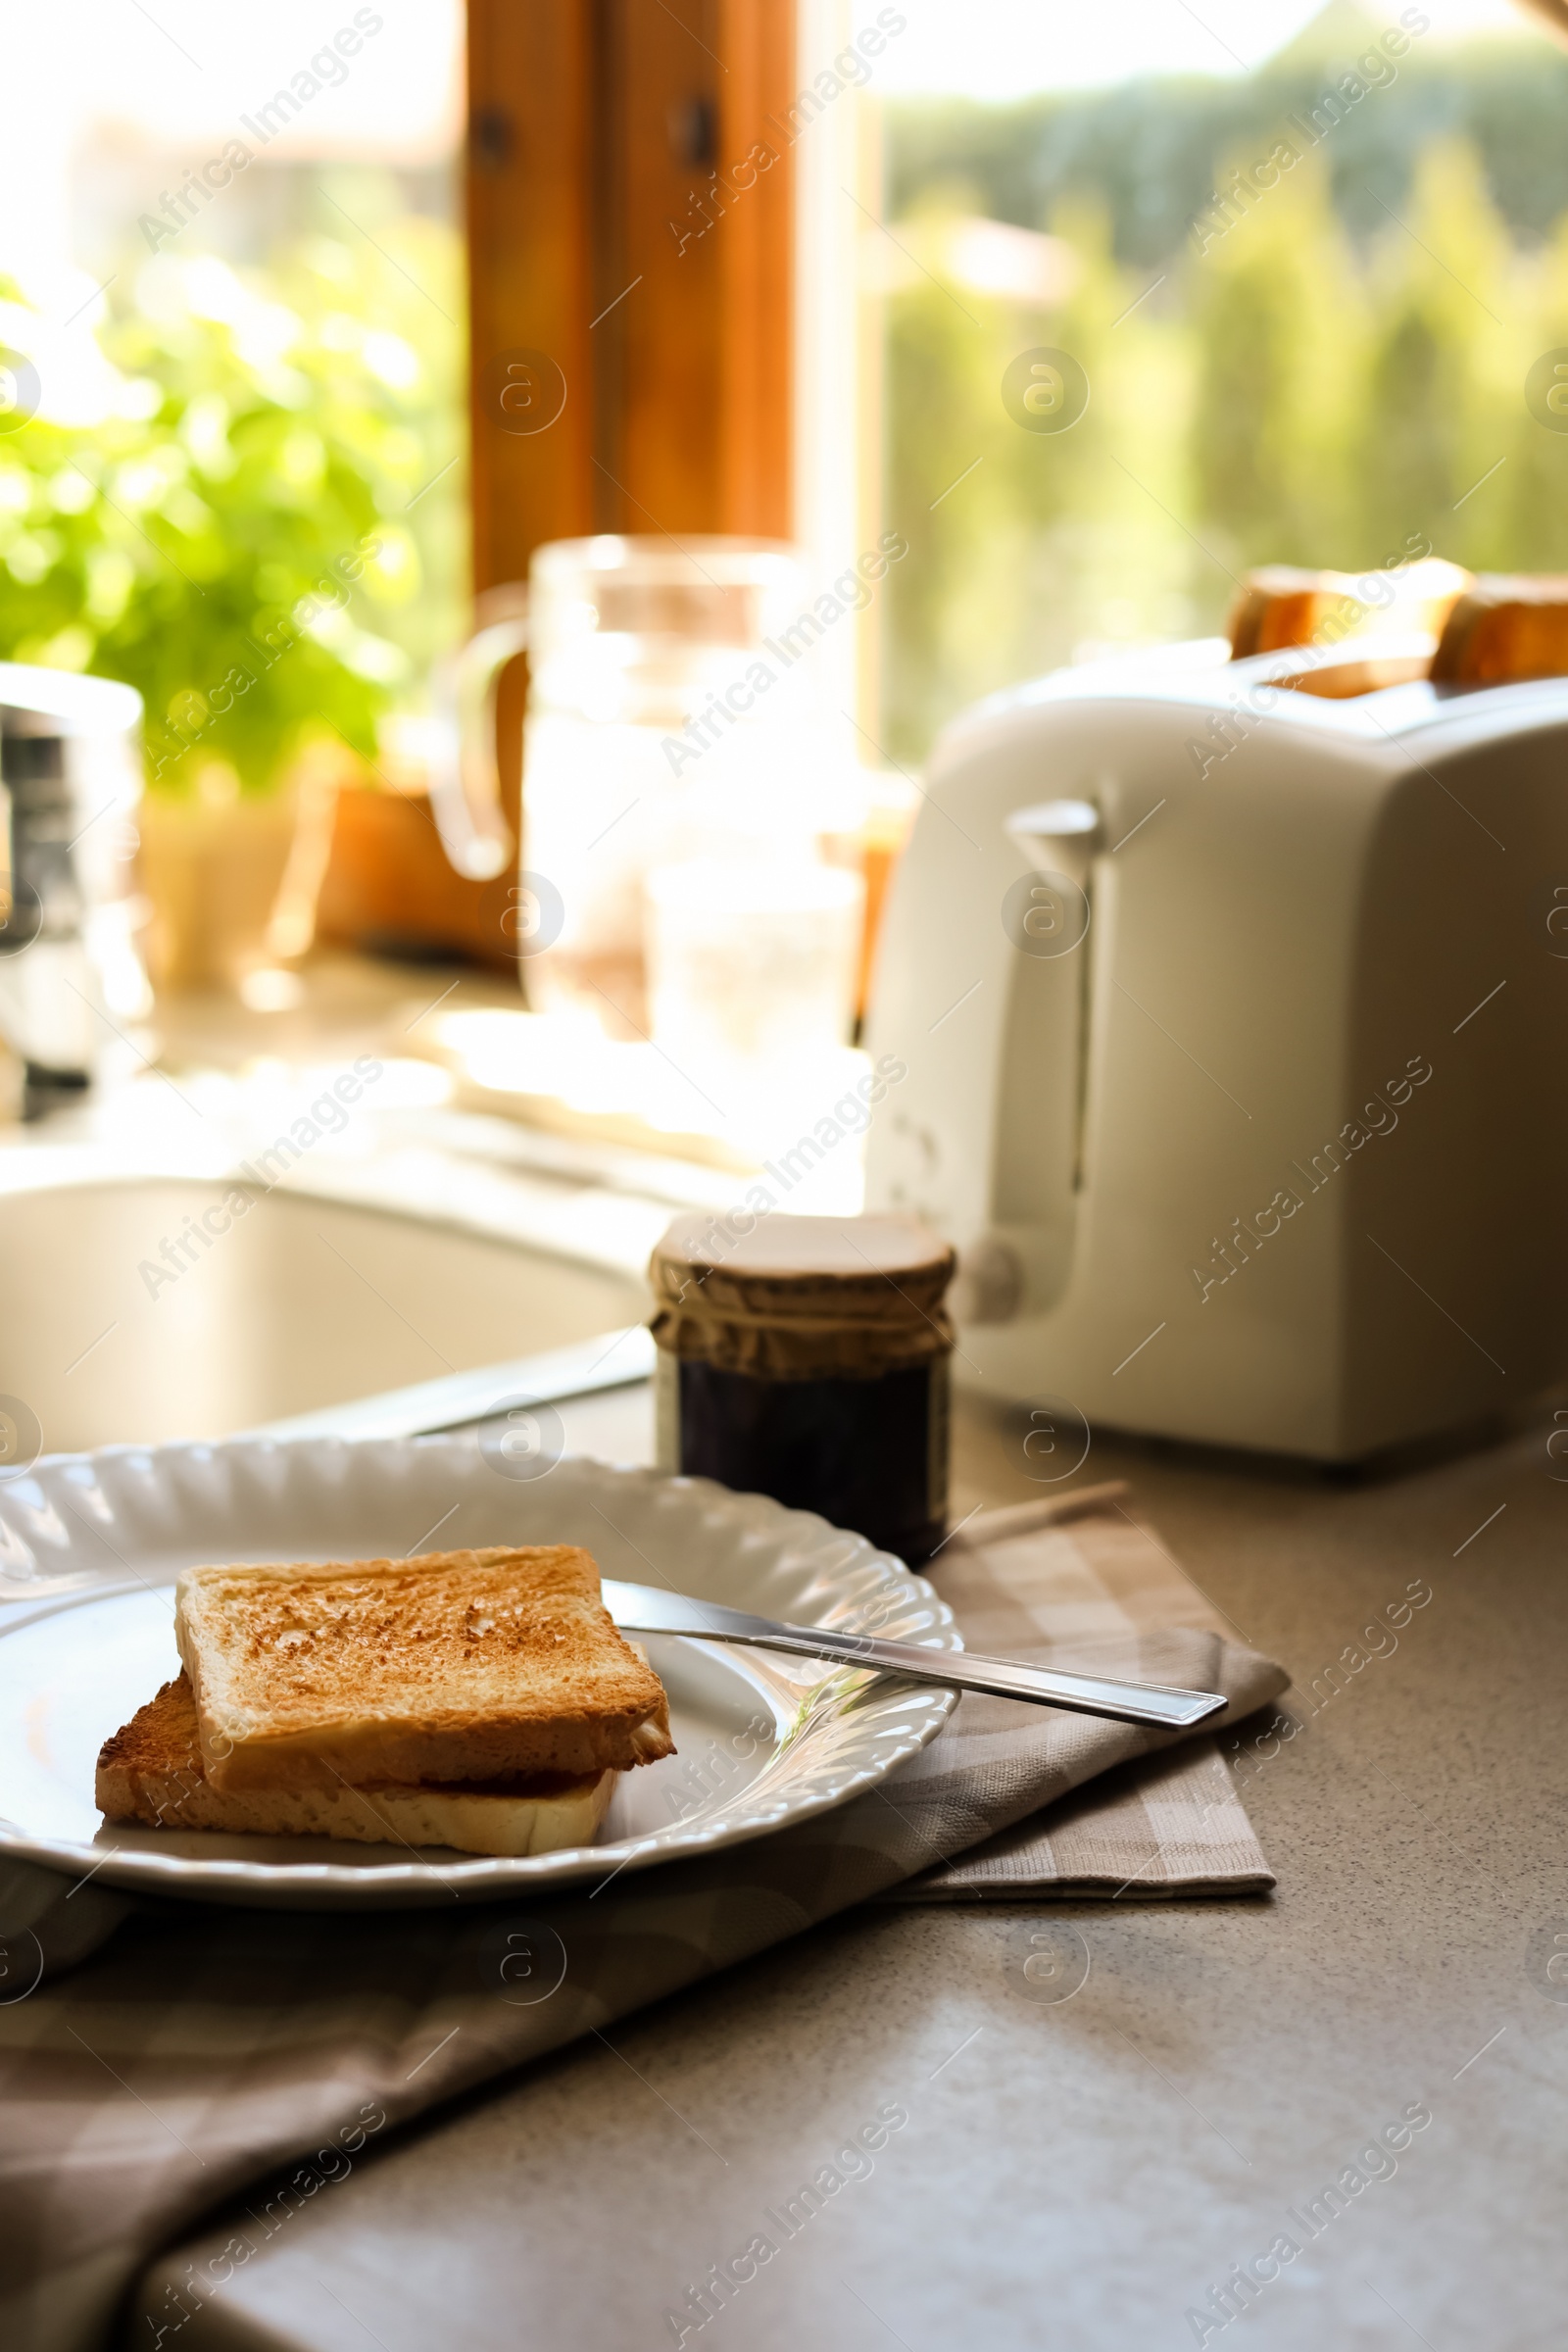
point(630, 215)
point(629, 187)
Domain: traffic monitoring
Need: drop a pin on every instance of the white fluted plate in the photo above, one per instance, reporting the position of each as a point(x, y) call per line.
point(90, 1545)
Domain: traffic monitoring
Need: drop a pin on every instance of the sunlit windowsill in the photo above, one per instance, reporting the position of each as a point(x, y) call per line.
point(557, 1074)
point(484, 1118)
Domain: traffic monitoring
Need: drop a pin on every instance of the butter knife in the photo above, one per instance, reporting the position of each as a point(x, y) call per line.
point(645, 1609)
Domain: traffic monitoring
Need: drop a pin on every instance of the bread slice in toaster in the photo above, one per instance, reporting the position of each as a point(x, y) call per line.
point(455, 1666)
point(1505, 627)
point(151, 1771)
point(1281, 604)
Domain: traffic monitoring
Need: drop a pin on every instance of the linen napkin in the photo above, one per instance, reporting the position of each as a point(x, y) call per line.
point(197, 2050)
point(1024, 1583)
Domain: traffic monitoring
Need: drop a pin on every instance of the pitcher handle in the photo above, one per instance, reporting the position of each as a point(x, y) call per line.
point(465, 775)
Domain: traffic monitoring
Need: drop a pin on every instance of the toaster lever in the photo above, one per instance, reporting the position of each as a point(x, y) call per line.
point(1020, 1263)
point(1059, 835)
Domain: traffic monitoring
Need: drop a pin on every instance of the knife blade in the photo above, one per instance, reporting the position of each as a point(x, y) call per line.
point(645, 1609)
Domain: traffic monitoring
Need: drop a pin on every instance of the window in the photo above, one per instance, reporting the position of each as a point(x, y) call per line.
point(1301, 263)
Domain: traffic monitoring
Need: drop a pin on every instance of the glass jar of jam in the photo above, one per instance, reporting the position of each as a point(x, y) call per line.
point(809, 1359)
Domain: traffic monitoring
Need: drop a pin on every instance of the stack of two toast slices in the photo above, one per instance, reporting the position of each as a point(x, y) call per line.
point(476, 1699)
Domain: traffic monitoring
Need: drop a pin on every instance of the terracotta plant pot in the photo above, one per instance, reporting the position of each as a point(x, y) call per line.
point(233, 879)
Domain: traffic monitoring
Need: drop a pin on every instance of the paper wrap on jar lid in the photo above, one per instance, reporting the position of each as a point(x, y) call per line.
point(803, 1298)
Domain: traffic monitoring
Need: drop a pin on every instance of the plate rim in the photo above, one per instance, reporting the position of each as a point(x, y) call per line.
point(916, 1712)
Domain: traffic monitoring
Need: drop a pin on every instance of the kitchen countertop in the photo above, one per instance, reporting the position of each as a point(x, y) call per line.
point(1080, 2174)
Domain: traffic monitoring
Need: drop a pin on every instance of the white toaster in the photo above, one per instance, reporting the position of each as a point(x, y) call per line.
point(1233, 998)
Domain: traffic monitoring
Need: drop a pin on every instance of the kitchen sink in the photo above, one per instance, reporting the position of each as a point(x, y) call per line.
point(107, 1336)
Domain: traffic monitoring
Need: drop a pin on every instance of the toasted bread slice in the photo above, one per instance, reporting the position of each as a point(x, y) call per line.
point(1280, 606)
point(1505, 628)
point(151, 1771)
point(452, 1666)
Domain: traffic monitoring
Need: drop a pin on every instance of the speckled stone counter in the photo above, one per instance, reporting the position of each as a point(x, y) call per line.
point(1231, 2078)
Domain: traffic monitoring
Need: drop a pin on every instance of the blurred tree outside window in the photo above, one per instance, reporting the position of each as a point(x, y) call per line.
point(1334, 378)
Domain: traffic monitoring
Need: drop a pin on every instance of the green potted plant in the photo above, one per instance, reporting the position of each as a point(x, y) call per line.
point(207, 502)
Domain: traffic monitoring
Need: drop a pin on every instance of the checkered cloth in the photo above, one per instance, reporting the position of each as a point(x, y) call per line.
point(1025, 1583)
point(168, 2056)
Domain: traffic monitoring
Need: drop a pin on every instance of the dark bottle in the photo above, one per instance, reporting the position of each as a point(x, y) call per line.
point(809, 1359)
point(41, 907)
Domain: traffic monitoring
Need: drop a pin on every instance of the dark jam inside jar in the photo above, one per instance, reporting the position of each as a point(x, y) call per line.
point(867, 1454)
point(807, 1358)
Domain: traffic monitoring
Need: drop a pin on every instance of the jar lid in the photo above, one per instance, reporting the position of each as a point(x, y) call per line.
point(801, 1298)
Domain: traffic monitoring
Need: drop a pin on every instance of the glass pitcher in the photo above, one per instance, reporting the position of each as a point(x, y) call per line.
point(671, 723)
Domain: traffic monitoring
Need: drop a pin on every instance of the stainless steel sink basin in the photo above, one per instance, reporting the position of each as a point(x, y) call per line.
point(108, 1337)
